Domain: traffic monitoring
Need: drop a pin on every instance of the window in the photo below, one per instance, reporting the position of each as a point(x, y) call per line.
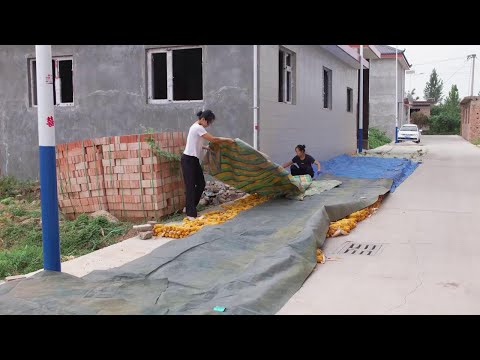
point(327, 88)
point(175, 75)
point(286, 76)
point(349, 100)
point(62, 71)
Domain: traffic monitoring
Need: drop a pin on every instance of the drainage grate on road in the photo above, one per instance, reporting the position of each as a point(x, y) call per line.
point(351, 248)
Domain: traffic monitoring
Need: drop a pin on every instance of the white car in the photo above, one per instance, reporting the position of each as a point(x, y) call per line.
point(409, 132)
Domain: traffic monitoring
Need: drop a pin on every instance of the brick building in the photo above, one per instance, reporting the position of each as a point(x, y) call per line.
point(470, 124)
point(421, 106)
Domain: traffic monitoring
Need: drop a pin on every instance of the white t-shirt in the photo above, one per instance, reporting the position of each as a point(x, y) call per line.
point(195, 141)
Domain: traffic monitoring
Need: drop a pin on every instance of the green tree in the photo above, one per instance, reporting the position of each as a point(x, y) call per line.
point(413, 95)
point(453, 98)
point(419, 119)
point(445, 118)
point(434, 87)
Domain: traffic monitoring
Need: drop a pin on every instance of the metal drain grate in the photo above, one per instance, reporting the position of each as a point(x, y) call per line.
point(351, 248)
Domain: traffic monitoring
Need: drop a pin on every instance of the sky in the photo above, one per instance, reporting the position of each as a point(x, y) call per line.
point(451, 64)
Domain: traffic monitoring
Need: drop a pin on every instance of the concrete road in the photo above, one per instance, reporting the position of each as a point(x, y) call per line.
point(429, 262)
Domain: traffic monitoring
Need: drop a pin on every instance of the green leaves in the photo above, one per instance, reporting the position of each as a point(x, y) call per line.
point(377, 138)
point(434, 87)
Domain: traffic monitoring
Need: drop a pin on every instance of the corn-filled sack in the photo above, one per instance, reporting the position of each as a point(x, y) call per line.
point(241, 166)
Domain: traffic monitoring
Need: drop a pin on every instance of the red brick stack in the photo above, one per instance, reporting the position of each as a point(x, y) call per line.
point(121, 174)
point(80, 177)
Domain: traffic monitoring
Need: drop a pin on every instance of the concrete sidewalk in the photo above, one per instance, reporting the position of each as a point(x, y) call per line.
point(430, 258)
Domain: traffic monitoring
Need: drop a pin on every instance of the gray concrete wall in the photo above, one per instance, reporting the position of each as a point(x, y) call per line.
point(110, 96)
point(382, 96)
point(326, 133)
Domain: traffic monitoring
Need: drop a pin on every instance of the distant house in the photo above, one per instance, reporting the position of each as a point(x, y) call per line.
point(470, 115)
point(422, 106)
point(300, 94)
point(383, 103)
point(379, 89)
point(419, 106)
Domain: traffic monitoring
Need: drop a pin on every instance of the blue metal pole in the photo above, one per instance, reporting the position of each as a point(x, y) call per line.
point(396, 94)
point(360, 104)
point(48, 176)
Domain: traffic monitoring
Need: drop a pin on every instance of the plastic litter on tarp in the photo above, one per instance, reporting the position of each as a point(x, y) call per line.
point(370, 168)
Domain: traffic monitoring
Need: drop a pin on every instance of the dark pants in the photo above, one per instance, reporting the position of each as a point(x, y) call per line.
point(298, 171)
point(194, 182)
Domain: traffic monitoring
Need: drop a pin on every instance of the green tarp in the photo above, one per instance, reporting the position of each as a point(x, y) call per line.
point(241, 166)
point(250, 265)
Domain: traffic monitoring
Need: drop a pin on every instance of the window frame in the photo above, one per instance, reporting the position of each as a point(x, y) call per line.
point(350, 103)
point(288, 69)
point(58, 83)
point(169, 54)
point(330, 88)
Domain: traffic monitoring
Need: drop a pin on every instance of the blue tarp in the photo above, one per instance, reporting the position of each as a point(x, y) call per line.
point(370, 168)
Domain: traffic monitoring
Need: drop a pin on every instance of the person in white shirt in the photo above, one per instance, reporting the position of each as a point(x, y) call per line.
point(191, 168)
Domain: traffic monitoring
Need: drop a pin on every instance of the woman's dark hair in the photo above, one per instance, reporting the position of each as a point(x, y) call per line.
point(208, 115)
point(301, 148)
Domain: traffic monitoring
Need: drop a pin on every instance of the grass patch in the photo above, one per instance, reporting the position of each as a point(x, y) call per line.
point(11, 187)
point(377, 138)
point(22, 243)
point(476, 141)
point(21, 232)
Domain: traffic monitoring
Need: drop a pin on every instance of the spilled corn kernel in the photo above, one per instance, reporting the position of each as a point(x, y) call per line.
point(188, 227)
point(344, 226)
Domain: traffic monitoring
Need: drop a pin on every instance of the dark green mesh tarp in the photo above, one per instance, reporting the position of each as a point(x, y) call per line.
point(250, 265)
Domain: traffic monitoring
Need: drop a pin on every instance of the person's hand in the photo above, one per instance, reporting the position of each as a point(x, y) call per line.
point(229, 141)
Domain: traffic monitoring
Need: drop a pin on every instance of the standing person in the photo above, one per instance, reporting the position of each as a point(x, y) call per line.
point(191, 168)
point(301, 164)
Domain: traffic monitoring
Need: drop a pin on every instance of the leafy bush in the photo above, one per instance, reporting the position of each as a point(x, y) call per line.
point(420, 119)
point(377, 138)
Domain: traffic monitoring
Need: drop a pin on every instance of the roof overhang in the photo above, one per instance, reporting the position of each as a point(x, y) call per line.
point(370, 52)
point(347, 54)
point(467, 99)
point(401, 59)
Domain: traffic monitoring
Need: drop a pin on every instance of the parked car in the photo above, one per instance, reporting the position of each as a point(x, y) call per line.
point(409, 132)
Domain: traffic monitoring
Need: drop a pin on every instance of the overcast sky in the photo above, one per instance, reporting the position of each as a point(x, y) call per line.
point(450, 62)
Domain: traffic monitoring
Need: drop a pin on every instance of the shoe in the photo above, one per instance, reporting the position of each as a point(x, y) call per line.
point(191, 218)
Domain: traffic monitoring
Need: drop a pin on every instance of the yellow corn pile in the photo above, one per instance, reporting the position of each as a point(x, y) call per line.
point(344, 226)
point(189, 227)
point(321, 258)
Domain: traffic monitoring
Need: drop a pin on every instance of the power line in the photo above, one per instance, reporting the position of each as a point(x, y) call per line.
point(438, 61)
point(463, 66)
point(456, 72)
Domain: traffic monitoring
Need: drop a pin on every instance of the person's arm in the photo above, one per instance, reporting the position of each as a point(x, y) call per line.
point(316, 162)
point(286, 165)
point(217, 140)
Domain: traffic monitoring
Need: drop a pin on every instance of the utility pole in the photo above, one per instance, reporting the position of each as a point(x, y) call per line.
point(48, 177)
point(360, 104)
point(396, 94)
point(472, 56)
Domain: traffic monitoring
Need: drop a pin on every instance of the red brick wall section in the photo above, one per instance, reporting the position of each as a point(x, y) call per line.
point(470, 123)
point(464, 118)
point(474, 128)
point(122, 175)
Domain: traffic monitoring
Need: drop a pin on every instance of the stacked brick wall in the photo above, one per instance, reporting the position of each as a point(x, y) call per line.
point(122, 175)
